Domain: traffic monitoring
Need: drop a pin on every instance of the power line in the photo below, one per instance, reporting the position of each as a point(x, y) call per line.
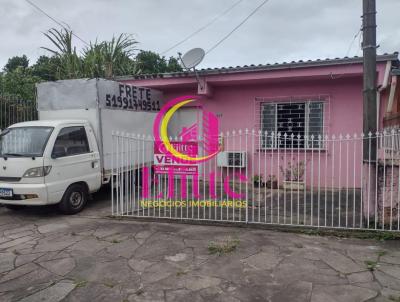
point(203, 27)
point(237, 27)
point(358, 34)
point(55, 20)
point(352, 42)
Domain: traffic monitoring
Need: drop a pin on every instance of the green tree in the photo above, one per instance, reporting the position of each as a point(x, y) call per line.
point(117, 54)
point(105, 59)
point(70, 64)
point(93, 61)
point(173, 65)
point(99, 59)
point(46, 68)
point(19, 83)
point(15, 62)
point(150, 62)
point(110, 58)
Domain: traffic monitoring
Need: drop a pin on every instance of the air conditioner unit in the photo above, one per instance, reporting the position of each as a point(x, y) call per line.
point(232, 159)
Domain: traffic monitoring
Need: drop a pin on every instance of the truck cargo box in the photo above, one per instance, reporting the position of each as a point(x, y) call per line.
point(107, 105)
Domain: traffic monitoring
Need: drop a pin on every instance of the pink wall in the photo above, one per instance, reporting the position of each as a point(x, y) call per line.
point(232, 97)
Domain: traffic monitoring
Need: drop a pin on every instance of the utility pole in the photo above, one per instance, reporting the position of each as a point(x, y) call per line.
point(369, 89)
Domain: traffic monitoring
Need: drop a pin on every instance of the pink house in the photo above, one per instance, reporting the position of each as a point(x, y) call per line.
point(319, 99)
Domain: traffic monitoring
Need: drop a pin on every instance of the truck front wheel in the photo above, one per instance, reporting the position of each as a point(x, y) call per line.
point(74, 199)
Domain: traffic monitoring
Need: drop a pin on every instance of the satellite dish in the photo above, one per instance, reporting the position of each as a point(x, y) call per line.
point(193, 58)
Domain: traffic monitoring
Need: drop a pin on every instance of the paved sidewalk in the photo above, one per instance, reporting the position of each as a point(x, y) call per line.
point(48, 257)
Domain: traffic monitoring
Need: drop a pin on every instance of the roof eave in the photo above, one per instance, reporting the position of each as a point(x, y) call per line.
point(261, 68)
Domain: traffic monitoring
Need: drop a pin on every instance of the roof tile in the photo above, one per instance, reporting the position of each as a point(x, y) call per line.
point(266, 67)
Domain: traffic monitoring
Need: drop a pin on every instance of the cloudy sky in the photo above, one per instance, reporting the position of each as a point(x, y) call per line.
point(282, 30)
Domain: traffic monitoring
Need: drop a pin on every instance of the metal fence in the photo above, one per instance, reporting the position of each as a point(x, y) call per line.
point(14, 110)
point(390, 142)
point(301, 181)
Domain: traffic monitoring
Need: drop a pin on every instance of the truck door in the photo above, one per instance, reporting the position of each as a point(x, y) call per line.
point(75, 158)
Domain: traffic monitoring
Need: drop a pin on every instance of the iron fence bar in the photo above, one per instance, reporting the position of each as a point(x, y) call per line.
point(335, 187)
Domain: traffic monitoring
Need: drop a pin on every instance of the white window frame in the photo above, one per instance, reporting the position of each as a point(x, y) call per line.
point(307, 112)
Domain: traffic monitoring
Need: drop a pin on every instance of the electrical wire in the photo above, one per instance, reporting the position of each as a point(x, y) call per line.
point(352, 42)
point(358, 34)
point(237, 27)
point(203, 27)
point(55, 20)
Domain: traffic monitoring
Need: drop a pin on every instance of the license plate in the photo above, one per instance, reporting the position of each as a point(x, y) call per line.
point(6, 192)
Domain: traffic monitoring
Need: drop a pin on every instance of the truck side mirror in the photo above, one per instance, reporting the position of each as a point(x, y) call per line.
point(58, 152)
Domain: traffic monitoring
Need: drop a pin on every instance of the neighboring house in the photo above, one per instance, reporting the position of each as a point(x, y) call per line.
point(306, 98)
point(391, 108)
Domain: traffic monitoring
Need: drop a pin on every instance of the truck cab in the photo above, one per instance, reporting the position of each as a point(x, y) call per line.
point(49, 162)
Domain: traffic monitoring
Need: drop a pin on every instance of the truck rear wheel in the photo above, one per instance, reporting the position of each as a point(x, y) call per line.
point(74, 199)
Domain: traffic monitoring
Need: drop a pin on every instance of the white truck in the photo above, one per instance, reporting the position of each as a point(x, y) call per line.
point(66, 155)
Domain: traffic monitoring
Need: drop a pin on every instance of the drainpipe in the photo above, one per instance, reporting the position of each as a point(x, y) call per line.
point(378, 107)
point(393, 87)
point(381, 88)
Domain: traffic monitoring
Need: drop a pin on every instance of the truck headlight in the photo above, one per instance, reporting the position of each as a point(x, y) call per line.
point(37, 172)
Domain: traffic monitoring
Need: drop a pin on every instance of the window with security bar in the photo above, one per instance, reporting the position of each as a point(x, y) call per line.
point(302, 119)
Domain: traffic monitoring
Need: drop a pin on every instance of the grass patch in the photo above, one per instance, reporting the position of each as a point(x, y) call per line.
point(382, 253)
point(298, 245)
point(387, 236)
point(224, 247)
point(115, 217)
point(80, 283)
point(115, 241)
point(371, 265)
point(360, 234)
point(302, 228)
point(395, 299)
point(181, 273)
point(109, 284)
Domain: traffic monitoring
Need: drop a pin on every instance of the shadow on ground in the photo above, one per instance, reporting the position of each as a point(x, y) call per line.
point(99, 206)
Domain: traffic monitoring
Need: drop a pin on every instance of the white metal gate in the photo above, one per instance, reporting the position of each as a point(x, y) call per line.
point(267, 178)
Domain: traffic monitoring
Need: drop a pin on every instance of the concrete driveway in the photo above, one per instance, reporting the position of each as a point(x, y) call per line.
point(48, 257)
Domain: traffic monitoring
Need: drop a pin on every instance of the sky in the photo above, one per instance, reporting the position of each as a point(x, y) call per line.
point(280, 31)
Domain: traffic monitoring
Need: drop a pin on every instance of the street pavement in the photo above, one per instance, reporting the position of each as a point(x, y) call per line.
point(45, 257)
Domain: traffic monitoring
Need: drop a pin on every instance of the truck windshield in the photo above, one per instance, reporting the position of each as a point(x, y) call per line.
point(24, 141)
